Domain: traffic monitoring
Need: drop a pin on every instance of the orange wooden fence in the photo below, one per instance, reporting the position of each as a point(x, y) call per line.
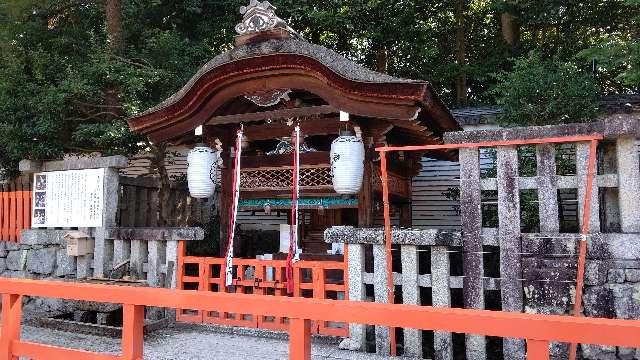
point(313, 279)
point(538, 330)
point(15, 209)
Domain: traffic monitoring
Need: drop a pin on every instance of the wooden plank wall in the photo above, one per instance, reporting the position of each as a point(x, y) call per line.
point(15, 208)
point(139, 205)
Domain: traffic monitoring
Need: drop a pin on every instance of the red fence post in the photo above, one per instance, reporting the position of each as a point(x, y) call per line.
point(11, 317)
point(299, 339)
point(387, 239)
point(13, 214)
point(133, 332)
point(582, 246)
point(537, 350)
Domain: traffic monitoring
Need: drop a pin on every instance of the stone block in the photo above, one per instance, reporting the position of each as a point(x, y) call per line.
point(632, 275)
point(41, 261)
point(15, 261)
point(11, 246)
point(18, 274)
point(42, 237)
point(65, 265)
point(559, 351)
point(95, 306)
point(74, 163)
point(595, 273)
point(616, 276)
point(3, 249)
point(3, 265)
point(545, 244)
point(598, 352)
point(49, 306)
point(598, 302)
point(547, 297)
point(627, 353)
point(614, 246)
point(626, 300)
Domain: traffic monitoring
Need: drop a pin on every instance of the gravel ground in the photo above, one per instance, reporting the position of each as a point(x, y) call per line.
point(192, 342)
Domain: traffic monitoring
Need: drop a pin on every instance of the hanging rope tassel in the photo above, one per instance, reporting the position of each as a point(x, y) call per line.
point(293, 233)
point(234, 211)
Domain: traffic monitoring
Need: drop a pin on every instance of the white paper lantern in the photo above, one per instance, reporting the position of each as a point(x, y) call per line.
point(347, 164)
point(203, 167)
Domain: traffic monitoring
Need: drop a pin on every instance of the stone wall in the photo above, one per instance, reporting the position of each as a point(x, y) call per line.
point(148, 255)
point(41, 254)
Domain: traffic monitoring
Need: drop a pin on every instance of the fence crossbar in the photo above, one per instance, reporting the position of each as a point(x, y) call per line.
point(539, 330)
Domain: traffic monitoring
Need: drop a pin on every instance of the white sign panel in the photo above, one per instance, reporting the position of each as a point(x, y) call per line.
point(73, 198)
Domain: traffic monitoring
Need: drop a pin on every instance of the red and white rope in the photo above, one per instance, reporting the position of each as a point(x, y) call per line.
point(293, 233)
point(234, 211)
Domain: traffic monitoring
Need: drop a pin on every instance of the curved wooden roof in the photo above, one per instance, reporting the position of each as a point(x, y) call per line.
point(274, 59)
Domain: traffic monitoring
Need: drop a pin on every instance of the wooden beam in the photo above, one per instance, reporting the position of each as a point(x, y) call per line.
point(312, 158)
point(273, 115)
point(322, 126)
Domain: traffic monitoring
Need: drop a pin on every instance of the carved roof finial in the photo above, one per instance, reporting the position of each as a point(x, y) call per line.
point(261, 16)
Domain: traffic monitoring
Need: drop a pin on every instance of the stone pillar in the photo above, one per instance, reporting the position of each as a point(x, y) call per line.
point(138, 258)
point(411, 295)
point(155, 276)
point(103, 251)
point(383, 339)
point(171, 262)
point(547, 189)
point(509, 239)
point(440, 270)
point(628, 184)
point(582, 167)
point(121, 251)
point(355, 259)
point(471, 218)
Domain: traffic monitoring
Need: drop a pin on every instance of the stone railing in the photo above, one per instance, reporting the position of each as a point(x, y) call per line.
point(549, 267)
point(503, 269)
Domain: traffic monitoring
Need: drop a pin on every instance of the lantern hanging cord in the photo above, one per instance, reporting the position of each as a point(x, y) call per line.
point(234, 208)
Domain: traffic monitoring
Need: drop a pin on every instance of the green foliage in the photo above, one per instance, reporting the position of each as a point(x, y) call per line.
point(58, 77)
point(619, 63)
point(543, 91)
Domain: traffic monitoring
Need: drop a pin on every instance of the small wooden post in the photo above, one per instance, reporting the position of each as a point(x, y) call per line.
point(11, 316)
point(299, 339)
point(537, 350)
point(133, 332)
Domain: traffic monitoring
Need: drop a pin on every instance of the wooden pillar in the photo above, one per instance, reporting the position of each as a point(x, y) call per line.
point(133, 332)
point(226, 179)
point(11, 317)
point(406, 214)
point(365, 197)
point(300, 339)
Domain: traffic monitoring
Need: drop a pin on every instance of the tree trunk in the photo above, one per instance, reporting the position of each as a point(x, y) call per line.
point(460, 51)
point(382, 60)
point(510, 29)
point(115, 44)
point(113, 15)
